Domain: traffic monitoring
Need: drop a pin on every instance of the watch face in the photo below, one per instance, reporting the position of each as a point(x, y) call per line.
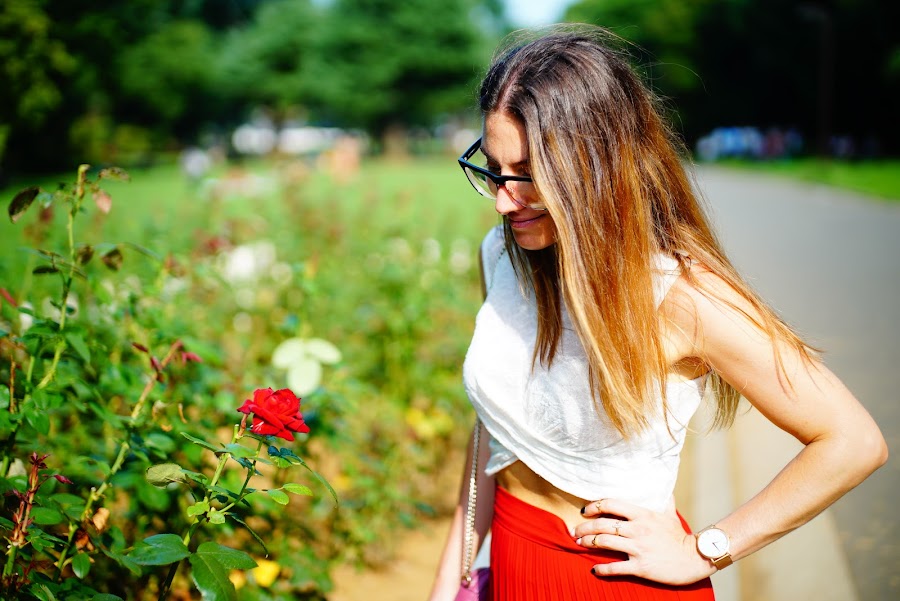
point(712, 543)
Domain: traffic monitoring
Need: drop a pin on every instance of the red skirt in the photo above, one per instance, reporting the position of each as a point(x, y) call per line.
point(533, 558)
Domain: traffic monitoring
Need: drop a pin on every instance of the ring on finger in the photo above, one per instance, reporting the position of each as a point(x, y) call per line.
point(594, 541)
point(616, 525)
point(599, 505)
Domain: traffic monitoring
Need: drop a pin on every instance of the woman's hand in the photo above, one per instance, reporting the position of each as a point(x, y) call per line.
point(657, 546)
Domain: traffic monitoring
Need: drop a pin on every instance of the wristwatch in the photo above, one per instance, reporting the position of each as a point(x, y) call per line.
point(714, 545)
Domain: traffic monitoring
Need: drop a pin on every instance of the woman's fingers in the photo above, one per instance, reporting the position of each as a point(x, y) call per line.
point(609, 525)
point(612, 506)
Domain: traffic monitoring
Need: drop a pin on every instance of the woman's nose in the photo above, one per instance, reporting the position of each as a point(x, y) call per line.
point(505, 203)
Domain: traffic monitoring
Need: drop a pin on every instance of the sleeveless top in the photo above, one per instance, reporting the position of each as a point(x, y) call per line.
point(547, 419)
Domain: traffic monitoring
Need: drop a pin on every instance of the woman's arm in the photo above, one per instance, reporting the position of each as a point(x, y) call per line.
point(449, 570)
point(842, 444)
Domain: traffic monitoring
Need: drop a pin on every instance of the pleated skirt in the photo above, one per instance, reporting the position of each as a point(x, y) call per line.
point(533, 558)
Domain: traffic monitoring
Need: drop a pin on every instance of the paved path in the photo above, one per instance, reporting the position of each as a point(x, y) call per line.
point(829, 262)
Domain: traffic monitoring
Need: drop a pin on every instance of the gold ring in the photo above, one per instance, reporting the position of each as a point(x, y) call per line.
point(594, 540)
point(617, 524)
point(599, 505)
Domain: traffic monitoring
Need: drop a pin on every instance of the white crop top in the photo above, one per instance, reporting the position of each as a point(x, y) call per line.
point(546, 418)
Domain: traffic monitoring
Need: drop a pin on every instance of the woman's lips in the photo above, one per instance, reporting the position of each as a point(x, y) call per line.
point(522, 223)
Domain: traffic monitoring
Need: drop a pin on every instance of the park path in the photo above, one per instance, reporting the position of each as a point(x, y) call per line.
point(829, 262)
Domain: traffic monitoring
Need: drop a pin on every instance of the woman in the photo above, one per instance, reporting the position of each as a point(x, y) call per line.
point(610, 308)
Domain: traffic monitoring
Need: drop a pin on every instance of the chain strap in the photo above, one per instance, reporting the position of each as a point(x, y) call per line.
point(469, 534)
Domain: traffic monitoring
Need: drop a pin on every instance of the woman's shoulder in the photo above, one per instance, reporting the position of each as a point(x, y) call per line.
point(492, 247)
point(493, 239)
point(702, 305)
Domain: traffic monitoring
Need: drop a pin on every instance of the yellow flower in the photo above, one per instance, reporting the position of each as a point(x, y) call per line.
point(266, 572)
point(237, 578)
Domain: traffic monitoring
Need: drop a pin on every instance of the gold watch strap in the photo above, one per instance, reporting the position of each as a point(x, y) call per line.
point(722, 562)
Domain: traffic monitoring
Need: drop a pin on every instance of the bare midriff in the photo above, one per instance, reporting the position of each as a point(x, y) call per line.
point(524, 484)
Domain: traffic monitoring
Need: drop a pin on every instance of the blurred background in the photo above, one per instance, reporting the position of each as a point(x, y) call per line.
point(292, 176)
point(130, 82)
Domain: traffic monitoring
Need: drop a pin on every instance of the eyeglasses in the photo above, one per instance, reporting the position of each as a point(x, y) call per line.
point(521, 189)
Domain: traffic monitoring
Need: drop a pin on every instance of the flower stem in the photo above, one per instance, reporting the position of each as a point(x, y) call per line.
point(220, 467)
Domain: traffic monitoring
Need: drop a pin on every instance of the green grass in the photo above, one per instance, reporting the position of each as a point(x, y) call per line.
point(158, 208)
point(879, 178)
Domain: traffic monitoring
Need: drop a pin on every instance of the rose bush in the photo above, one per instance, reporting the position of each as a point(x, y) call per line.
point(275, 413)
point(359, 268)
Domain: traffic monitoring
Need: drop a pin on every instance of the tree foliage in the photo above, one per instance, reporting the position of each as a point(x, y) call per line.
point(819, 65)
point(140, 73)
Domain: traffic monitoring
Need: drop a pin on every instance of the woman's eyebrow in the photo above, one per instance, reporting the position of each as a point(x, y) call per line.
point(517, 165)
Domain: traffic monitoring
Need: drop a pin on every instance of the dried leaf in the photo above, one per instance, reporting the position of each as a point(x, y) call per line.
point(84, 254)
point(113, 259)
point(115, 173)
point(103, 201)
point(21, 202)
point(101, 519)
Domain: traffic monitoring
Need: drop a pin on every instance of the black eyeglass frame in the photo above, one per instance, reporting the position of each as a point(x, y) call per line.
point(499, 180)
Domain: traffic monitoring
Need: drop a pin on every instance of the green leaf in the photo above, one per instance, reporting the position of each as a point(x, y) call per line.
point(230, 559)
point(252, 532)
point(21, 202)
point(298, 489)
point(38, 420)
point(77, 342)
point(198, 508)
point(124, 560)
point(41, 592)
point(320, 479)
point(202, 443)
point(159, 550)
point(216, 517)
point(143, 250)
point(211, 578)
point(45, 516)
point(163, 474)
point(81, 565)
point(281, 462)
point(239, 450)
point(106, 597)
point(279, 496)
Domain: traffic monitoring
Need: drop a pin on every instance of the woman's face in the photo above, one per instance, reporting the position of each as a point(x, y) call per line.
point(506, 148)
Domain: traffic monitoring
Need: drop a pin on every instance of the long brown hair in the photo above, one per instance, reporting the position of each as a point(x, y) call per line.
point(608, 168)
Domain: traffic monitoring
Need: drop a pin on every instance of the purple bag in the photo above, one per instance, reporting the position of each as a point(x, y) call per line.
point(478, 588)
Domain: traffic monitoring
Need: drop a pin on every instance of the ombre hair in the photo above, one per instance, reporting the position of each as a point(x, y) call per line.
point(608, 168)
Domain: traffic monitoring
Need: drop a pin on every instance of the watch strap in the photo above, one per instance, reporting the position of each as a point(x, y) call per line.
point(722, 562)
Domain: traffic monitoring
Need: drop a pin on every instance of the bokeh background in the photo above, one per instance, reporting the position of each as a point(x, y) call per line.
point(293, 175)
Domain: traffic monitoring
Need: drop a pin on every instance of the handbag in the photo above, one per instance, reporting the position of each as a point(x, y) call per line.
point(474, 585)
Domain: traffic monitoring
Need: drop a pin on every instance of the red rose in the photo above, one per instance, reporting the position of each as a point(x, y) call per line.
point(275, 413)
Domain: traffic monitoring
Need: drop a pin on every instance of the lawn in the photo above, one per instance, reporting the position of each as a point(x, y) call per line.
point(880, 178)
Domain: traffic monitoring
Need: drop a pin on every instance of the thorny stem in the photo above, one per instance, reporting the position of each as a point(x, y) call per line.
point(98, 492)
point(4, 464)
point(67, 280)
point(236, 435)
point(22, 516)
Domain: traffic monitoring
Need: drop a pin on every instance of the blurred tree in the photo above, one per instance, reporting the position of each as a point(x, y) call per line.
point(663, 33)
point(268, 62)
point(384, 65)
point(32, 63)
point(148, 72)
point(168, 77)
point(820, 65)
